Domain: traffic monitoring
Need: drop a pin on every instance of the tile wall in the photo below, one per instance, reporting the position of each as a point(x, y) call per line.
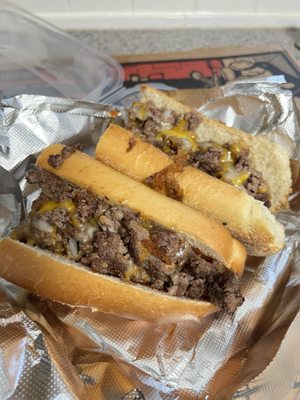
point(116, 14)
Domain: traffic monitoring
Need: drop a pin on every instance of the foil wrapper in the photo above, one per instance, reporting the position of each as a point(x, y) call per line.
point(259, 107)
point(11, 202)
point(28, 124)
point(54, 351)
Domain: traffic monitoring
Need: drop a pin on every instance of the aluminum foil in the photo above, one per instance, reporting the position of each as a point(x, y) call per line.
point(11, 202)
point(28, 124)
point(53, 351)
point(259, 106)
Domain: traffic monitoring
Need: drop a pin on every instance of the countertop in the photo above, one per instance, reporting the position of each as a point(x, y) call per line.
point(115, 42)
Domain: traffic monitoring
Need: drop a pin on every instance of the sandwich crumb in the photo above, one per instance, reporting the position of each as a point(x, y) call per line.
point(67, 151)
point(131, 144)
point(56, 160)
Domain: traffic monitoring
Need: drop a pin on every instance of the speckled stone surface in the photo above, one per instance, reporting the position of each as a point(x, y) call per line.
point(147, 41)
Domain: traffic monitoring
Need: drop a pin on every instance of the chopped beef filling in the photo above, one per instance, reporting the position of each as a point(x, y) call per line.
point(111, 239)
point(148, 121)
point(209, 160)
point(172, 133)
point(56, 160)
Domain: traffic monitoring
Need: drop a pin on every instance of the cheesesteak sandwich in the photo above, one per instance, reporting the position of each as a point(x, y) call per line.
point(229, 175)
point(97, 237)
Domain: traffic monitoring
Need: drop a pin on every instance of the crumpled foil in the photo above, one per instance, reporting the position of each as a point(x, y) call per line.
point(28, 124)
point(11, 202)
point(54, 351)
point(262, 108)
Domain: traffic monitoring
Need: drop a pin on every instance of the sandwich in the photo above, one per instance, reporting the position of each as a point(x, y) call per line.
point(96, 237)
point(232, 177)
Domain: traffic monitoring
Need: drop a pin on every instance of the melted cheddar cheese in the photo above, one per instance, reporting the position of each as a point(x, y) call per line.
point(179, 131)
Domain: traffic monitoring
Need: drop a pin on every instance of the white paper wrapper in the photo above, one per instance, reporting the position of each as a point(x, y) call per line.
point(83, 353)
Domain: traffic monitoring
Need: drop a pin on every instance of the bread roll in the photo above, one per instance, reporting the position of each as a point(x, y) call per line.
point(47, 274)
point(248, 219)
point(268, 158)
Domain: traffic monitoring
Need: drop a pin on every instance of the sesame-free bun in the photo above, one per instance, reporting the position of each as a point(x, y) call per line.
point(248, 219)
point(213, 239)
point(62, 280)
point(57, 278)
point(266, 157)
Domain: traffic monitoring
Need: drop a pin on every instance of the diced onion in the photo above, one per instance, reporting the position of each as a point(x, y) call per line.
point(73, 248)
point(42, 225)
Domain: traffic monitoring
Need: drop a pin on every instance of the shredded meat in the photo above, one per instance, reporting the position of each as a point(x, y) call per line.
point(55, 160)
point(219, 281)
point(243, 163)
point(208, 160)
point(67, 151)
point(152, 120)
point(60, 218)
point(110, 239)
point(111, 252)
point(193, 120)
point(254, 184)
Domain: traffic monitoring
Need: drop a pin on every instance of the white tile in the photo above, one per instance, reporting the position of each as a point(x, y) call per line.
point(278, 6)
point(163, 5)
point(41, 6)
point(88, 21)
point(100, 5)
point(225, 5)
point(79, 21)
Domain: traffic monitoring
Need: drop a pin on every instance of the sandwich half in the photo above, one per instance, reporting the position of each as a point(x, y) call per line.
point(97, 237)
point(232, 177)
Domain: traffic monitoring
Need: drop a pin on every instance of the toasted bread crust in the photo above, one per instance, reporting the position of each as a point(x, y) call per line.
point(247, 219)
point(213, 239)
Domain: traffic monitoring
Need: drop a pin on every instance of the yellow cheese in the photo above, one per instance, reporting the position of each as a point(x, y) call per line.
point(133, 271)
point(179, 131)
point(237, 147)
point(241, 179)
point(141, 109)
point(68, 204)
point(51, 205)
